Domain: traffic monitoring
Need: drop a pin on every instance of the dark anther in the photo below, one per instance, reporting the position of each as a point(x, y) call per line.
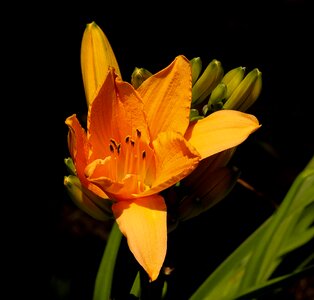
point(111, 148)
point(132, 143)
point(143, 154)
point(114, 143)
point(138, 133)
point(127, 139)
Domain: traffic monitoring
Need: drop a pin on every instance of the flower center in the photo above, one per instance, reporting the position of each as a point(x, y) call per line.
point(132, 161)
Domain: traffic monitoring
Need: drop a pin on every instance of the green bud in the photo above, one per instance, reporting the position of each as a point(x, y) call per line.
point(194, 115)
point(256, 91)
point(70, 165)
point(138, 76)
point(205, 109)
point(216, 97)
point(232, 79)
point(196, 68)
point(246, 93)
point(95, 206)
point(207, 192)
point(207, 82)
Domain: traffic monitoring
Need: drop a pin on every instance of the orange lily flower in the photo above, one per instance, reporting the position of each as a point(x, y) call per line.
point(140, 142)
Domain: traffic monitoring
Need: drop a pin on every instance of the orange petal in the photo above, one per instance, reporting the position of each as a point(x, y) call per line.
point(221, 130)
point(77, 146)
point(96, 57)
point(144, 223)
point(101, 173)
point(116, 112)
point(175, 159)
point(167, 97)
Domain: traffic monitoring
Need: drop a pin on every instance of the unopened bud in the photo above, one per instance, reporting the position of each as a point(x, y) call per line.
point(70, 165)
point(232, 79)
point(95, 206)
point(138, 76)
point(246, 92)
point(196, 68)
point(216, 98)
point(96, 58)
point(207, 82)
point(194, 115)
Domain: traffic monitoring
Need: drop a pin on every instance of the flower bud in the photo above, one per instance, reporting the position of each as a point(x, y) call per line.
point(194, 115)
point(138, 76)
point(232, 79)
point(70, 165)
point(196, 68)
point(207, 82)
point(246, 93)
point(96, 57)
point(216, 97)
point(95, 206)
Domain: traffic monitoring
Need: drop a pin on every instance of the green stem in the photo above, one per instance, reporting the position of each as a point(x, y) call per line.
point(103, 284)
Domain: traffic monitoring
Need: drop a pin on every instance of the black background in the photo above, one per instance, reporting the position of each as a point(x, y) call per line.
point(65, 244)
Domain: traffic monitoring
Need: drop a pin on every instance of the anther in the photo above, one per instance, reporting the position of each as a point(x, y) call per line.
point(143, 154)
point(132, 143)
point(114, 143)
point(119, 148)
point(111, 148)
point(127, 139)
point(138, 133)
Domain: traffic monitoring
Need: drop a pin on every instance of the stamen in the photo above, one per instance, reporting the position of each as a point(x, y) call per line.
point(111, 148)
point(132, 143)
point(138, 133)
point(127, 139)
point(119, 148)
point(113, 142)
point(143, 154)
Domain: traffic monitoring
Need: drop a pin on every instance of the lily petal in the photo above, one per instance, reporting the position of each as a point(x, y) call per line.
point(77, 146)
point(167, 97)
point(221, 130)
point(101, 173)
point(96, 57)
point(175, 159)
point(116, 112)
point(144, 223)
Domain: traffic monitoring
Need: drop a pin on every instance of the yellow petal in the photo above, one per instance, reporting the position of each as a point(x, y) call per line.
point(220, 130)
point(96, 56)
point(167, 97)
point(144, 223)
point(175, 158)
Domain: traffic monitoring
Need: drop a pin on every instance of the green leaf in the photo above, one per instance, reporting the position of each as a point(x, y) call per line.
point(102, 289)
point(136, 287)
point(250, 267)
